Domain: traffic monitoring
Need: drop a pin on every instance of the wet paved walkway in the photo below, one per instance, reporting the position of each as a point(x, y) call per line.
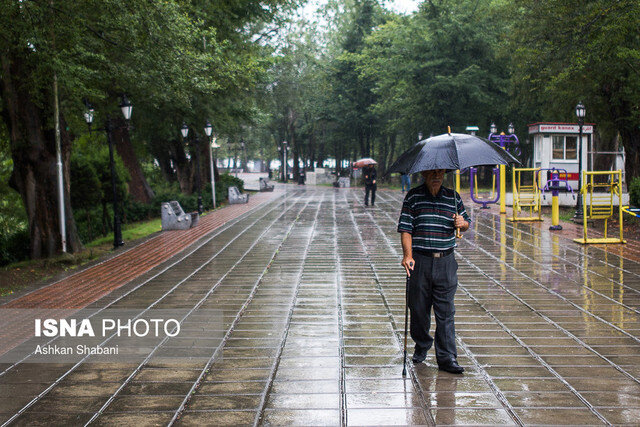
point(312, 296)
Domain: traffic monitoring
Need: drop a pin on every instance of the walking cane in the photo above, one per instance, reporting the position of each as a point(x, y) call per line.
point(406, 316)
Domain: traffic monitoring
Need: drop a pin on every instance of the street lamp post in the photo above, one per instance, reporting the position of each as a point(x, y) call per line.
point(184, 130)
point(244, 155)
point(208, 130)
point(235, 158)
point(580, 113)
point(507, 142)
point(126, 108)
point(284, 153)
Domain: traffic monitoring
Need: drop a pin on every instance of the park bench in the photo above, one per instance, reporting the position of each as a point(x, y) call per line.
point(235, 197)
point(174, 218)
point(344, 182)
point(265, 185)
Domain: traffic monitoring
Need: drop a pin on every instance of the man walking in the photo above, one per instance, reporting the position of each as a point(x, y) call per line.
point(370, 184)
point(428, 221)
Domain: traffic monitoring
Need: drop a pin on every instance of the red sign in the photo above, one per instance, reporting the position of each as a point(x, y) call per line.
point(572, 176)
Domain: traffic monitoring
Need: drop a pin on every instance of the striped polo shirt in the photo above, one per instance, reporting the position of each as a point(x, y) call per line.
point(429, 219)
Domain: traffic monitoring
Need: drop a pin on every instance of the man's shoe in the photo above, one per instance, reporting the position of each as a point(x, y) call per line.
point(451, 366)
point(419, 355)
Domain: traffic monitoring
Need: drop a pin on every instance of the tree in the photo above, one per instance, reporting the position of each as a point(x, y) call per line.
point(164, 55)
point(593, 57)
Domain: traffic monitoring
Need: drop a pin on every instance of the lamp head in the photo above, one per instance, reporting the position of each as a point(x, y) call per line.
point(580, 111)
point(126, 108)
point(511, 129)
point(493, 128)
point(184, 130)
point(208, 128)
point(88, 112)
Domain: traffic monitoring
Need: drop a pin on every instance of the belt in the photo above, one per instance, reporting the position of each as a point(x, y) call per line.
point(433, 254)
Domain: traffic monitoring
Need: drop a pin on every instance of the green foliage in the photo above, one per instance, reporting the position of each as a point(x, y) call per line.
point(14, 234)
point(593, 57)
point(86, 188)
point(14, 246)
point(634, 192)
point(175, 60)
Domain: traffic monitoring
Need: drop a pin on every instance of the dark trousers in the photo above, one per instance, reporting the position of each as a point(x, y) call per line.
point(372, 188)
point(433, 283)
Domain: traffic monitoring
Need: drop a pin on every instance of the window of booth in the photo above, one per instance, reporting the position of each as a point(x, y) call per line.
point(565, 147)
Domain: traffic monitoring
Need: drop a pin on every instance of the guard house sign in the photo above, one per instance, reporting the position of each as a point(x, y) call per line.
point(555, 145)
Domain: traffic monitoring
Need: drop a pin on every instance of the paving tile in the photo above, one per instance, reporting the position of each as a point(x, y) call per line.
point(558, 416)
point(33, 418)
point(316, 417)
point(530, 384)
point(387, 416)
point(149, 403)
point(384, 400)
point(200, 402)
point(303, 401)
point(307, 386)
point(531, 399)
point(217, 418)
point(472, 417)
point(621, 416)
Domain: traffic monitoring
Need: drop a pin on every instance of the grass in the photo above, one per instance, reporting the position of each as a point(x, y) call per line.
point(130, 232)
point(566, 214)
point(16, 276)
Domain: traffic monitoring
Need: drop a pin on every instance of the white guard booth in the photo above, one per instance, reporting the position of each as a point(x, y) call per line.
point(555, 145)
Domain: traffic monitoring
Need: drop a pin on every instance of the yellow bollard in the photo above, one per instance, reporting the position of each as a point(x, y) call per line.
point(555, 211)
point(503, 190)
point(493, 186)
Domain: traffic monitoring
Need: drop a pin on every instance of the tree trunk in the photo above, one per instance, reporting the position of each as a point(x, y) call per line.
point(294, 157)
point(384, 152)
point(184, 169)
point(392, 149)
point(631, 141)
point(33, 150)
point(312, 150)
point(138, 186)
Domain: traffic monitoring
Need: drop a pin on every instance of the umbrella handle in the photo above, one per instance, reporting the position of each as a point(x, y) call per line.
point(455, 202)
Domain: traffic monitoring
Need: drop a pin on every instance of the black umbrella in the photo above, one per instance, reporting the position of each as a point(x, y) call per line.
point(451, 151)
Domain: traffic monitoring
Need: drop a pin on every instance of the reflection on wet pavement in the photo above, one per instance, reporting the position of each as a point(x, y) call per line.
point(313, 300)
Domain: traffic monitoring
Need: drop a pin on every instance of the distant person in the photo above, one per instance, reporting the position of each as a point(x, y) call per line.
point(301, 177)
point(406, 181)
point(369, 184)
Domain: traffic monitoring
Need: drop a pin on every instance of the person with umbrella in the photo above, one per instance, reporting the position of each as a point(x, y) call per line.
point(369, 173)
point(368, 166)
point(432, 217)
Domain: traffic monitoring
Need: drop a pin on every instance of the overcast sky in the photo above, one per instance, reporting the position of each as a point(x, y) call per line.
point(401, 6)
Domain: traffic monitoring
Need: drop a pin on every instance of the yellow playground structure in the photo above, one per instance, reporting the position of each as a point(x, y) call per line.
point(526, 194)
point(598, 189)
